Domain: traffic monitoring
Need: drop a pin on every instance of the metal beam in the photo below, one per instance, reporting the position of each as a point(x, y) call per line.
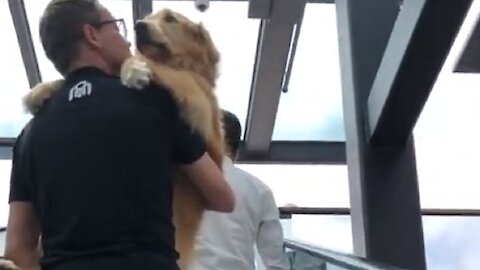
point(384, 197)
point(141, 8)
point(7, 141)
point(275, 36)
point(419, 44)
point(281, 152)
point(259, 9)
point(5, 152)
point(308, 1)
point(469, 61)
point(288, 211)
point(20, 21)
point(289, 152)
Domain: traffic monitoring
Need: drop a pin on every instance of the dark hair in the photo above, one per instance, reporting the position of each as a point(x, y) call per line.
point(61, 28)
point(233, 131)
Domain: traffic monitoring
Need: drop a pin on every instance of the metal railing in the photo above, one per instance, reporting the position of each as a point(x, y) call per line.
point(287, 212)
point(302, 256)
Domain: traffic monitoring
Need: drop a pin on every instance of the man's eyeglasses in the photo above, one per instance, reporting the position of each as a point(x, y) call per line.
point(120, 25)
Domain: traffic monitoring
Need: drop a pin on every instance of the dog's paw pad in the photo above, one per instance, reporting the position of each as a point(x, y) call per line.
point(136, 74)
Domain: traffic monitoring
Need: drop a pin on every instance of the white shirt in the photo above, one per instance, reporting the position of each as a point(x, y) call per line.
point(226, 241)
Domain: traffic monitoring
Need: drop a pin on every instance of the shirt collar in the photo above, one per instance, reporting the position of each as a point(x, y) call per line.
point(86, 72)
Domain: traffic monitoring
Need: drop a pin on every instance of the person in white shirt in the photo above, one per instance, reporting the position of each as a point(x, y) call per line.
point(227, 241)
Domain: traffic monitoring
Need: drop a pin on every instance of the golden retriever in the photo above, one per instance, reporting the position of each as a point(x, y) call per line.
point(183, 58)
point(176, 53)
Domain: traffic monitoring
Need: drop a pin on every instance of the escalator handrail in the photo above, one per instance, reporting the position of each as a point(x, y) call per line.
point(337, 258)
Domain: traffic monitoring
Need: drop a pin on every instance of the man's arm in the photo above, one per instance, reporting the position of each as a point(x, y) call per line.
point(208, 178)
point(23, 232)
point(270, 236)
point(190, 153)
point(23, 225)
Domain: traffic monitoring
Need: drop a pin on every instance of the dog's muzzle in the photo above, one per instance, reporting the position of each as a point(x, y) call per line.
point(142, 36)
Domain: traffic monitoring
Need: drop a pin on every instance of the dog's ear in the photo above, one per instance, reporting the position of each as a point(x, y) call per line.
point(204, 38)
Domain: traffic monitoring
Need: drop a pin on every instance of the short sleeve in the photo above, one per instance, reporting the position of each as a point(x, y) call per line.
point(21, 174)
point(269, 207)
point(189, 145)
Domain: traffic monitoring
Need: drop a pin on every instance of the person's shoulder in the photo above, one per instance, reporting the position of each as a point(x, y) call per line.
point(158, 92)
point(252, 180)
point(23, 140)
point(160, 98)
point(152, 94)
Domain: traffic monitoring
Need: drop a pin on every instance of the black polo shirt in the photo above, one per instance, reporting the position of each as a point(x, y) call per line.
point(97, 163)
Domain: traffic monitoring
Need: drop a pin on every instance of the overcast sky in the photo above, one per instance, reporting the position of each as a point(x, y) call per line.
point(446, 136)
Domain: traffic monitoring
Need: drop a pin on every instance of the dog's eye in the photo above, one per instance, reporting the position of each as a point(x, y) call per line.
point(170, 18)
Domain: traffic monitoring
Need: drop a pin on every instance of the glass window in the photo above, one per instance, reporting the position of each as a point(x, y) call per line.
point(312, 107)
point(328, 231)
point(5, 166)
point(35, 8)
point(236, 38)
point(305, 185)
point(452, 242)
point(122, 10)
point(14, 78)
point(447, 134)
point(2, 242)
point(237, 52)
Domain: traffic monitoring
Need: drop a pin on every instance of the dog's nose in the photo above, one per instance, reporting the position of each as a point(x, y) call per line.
point(140, 25)
point(141, 33)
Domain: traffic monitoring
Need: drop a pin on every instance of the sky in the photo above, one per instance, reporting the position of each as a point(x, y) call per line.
point(446, 135)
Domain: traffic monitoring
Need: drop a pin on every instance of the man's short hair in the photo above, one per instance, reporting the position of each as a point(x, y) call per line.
point(61, 28)
point(233, 131)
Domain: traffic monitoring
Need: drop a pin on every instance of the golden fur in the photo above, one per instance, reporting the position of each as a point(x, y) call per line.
point(181, 56)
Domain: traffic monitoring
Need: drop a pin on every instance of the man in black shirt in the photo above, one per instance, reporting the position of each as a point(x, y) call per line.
point(92, 171)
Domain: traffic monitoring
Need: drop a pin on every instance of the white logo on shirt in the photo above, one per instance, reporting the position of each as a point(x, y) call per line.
point(80, 90)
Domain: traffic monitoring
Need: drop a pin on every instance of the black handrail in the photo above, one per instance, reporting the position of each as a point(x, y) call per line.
point(288, 211)
point(337, 258)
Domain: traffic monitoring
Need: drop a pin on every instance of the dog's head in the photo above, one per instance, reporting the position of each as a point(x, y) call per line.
point(170, 38)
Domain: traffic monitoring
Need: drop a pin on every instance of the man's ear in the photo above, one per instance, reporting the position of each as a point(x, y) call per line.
point(90, 35)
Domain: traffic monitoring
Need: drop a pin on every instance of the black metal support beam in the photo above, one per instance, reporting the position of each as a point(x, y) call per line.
point(20, 21)
point(385, 207)
point(287, 212)
point(281, 152)
point(272, 54)
point(420, 42)
point(297, 153)
point(259, 9)
point(141, 8)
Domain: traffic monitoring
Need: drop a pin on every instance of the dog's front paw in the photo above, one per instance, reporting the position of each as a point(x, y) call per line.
point(7, 265)
point(135, 74)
